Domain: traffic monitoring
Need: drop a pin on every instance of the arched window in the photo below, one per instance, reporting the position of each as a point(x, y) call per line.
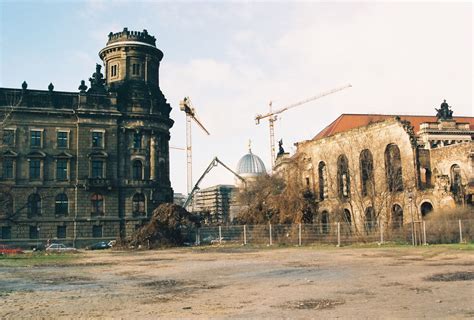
point(347, 216)
point(137, 170)
point(370, 219)
point(6, 204)
point(366, 172)
point(138, 203)
point(426, 208)
point(322, 181)
point(325, 227)
point(97, 204)
point(343, 178)
point(34, 205)
point(397, 216)
point(456, 181)
point(393, 168)
point(61, 204)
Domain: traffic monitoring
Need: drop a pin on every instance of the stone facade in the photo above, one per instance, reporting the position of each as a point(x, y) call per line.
point(87, 165)
point(368, 169)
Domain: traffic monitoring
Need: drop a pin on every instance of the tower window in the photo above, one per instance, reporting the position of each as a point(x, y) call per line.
point(113, 70)
point(137, 140)
point(137, 170)
point(136, 69)
point(138, 203)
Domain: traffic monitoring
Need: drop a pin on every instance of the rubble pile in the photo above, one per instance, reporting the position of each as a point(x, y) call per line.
point(165, 227)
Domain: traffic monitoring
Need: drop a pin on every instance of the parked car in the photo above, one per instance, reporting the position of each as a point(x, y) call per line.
point(4, 249)
point(99, 246)
point(59, 247)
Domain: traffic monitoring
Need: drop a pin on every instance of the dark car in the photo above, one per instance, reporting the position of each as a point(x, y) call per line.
point(4, 249)
point(99, 246)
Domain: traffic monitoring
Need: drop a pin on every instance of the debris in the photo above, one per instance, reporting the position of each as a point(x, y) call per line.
point(164, 227)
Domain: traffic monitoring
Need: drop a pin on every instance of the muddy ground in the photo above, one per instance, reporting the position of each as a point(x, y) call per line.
point(297, 283)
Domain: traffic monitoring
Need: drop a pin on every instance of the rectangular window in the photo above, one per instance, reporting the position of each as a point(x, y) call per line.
point(61, 169)
point(62, 139)
point(8, 168)
point(97, 139)
point(34, 232)
point(8, 138)
point(6, 233)
point(97, 231)
point(61, 232)
point(113, 71)
point(97, 169)
point(137, 140)
point(136, 69)
point(35, 169)
point(35, 138)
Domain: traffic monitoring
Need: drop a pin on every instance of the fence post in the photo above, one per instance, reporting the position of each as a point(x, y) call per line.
point(299, 234)
point(270, 231)
point(338, 234)
point(381, 232)
point(424, 233)
point(198, 240)
point(245, 234)
point(220, 234)
point(460, 231)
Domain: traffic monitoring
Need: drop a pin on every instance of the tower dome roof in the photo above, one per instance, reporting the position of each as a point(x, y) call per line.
point(250, 165)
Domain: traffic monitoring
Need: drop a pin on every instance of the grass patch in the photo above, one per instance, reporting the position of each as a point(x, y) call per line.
point(37, 259)
point(453, 276)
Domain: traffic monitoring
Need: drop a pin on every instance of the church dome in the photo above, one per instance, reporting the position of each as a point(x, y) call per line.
point(250, 165)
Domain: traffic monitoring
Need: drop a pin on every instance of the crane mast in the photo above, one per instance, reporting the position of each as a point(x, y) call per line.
point(190, 111)
point(272, 115)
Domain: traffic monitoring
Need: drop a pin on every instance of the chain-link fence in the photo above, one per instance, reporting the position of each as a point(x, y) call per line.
point(415, 233)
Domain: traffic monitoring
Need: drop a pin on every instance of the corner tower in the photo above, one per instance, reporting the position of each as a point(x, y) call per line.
point(132, 63)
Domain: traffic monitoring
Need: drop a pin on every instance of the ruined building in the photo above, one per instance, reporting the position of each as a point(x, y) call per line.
point(91, 164)
point(366, 169)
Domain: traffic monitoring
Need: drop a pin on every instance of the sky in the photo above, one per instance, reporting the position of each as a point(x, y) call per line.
point(233, 58)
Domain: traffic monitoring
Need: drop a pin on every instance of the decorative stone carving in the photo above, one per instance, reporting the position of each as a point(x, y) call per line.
point(444, 112)
point(97, 81)
point(82, 88)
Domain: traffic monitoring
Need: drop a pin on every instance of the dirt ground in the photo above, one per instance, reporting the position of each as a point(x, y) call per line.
point(230, 282)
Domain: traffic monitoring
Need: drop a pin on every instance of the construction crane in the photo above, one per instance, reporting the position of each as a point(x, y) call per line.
point(190, 111)
point(272, 115)
point(213, 164)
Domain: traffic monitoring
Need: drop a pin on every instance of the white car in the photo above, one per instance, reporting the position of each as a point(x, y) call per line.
point(59, 247)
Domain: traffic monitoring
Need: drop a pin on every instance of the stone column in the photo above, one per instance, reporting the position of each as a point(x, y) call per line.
point(152, 157)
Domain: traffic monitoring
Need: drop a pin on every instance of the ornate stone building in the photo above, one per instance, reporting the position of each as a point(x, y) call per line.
point(92, 164)
point(363, 169)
